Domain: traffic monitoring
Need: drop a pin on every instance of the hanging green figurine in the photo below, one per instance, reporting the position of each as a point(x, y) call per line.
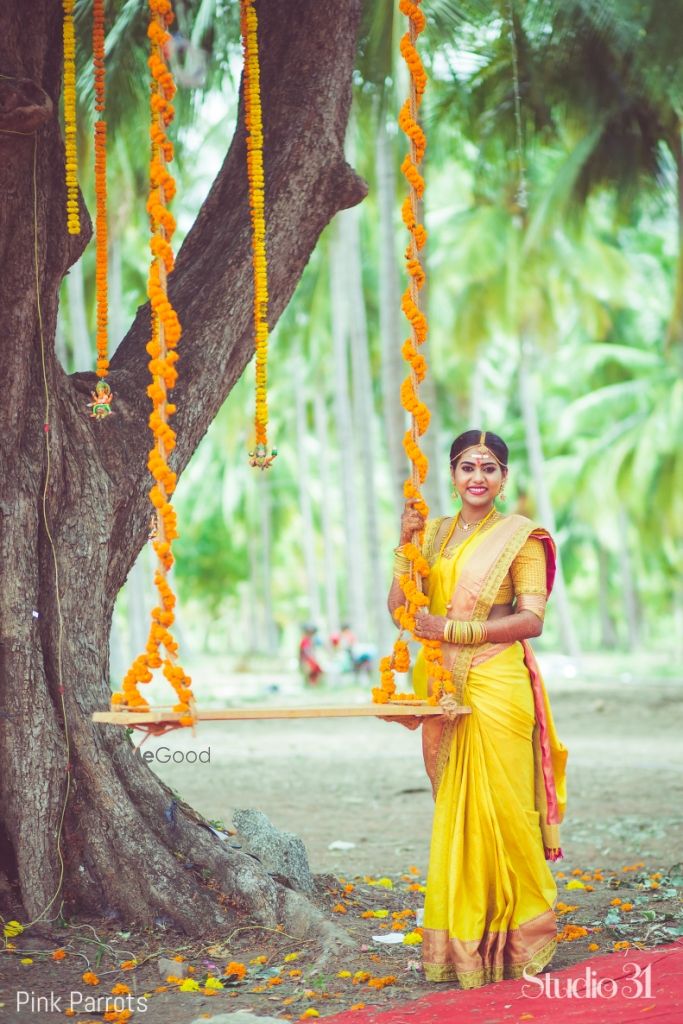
point(260, 457)
point(102, 399)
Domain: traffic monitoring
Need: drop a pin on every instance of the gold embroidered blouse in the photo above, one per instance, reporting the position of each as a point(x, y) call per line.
point(526, 579)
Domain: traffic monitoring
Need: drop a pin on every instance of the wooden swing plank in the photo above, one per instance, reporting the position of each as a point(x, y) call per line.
point(158, 715)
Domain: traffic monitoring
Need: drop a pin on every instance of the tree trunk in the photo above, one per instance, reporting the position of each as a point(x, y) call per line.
point(74, 510)
point(265, 561)
point(327, 489)
point(308, 533)
point(117, 323)
point(629, 586)
point(82, 348)
point(61, 350)
point(608, 630)
point(541, 494)
point(436, 486)
point(138, 605)
point(365, 427)
point(393, 365)
point(354, 561)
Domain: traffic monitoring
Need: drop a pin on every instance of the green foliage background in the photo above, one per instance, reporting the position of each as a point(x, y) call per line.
point(575, 296)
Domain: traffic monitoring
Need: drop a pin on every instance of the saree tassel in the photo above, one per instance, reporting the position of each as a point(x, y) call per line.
point(555, 853)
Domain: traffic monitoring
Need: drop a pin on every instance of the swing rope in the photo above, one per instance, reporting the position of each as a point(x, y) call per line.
point(411, 306)
point(260, 457)
point(130, 709)
point(166, 332)
point(73, 218)
point(101, 397)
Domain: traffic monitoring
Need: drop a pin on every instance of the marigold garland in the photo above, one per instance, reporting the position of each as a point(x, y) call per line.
point(73, 220)
point(399, 660)
point(101, 266)
point(166, 332)
point(257, 205)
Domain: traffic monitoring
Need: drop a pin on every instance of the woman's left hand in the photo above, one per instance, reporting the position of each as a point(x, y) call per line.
point(429, 627)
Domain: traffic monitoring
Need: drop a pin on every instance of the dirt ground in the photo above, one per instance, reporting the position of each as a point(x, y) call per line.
point(361, 782)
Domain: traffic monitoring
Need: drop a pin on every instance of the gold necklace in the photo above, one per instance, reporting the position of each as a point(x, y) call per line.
point(451, 531)
point(468, 526)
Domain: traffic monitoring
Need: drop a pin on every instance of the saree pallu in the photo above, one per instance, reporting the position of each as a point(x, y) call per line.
point(490, 894)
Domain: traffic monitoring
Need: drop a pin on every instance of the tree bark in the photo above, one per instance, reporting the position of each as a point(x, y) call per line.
point(608, 630)
point(354, 562)
point(326, 503)
point(308, 531)
point(265, 561)
point(629, 586)
point(393, 366)
point(365, 428)
point(73, 491)
point(82, 351)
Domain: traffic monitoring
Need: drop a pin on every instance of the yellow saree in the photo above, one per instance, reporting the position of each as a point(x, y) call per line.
point(498, 778)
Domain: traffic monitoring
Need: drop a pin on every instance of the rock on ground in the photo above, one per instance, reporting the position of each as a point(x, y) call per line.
point(282, 854)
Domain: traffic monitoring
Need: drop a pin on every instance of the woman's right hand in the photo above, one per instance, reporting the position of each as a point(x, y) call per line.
point(412, 522)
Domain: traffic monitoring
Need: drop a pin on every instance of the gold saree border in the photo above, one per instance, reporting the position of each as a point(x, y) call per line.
point(454, 957)
point(486, 975)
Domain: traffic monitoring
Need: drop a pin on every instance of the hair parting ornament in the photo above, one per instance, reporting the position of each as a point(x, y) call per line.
point(478, 453)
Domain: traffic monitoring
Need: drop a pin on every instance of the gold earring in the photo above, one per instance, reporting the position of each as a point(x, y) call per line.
point(501, 493)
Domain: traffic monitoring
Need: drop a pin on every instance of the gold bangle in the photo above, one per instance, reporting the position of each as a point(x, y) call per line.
point(464, 631)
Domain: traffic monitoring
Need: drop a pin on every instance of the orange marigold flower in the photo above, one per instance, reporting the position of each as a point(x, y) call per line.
point(571, 932)
point(128, 965)
point(627, 906)
point(90, 978)
point(339, 908)
point(380, 983)
point(120, 990)
point(235, 969)
point(615, 902)
point(618, 946)
point(593, 946)
point(59, 954)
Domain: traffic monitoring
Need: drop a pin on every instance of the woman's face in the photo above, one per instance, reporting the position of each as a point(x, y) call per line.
point(478, 479)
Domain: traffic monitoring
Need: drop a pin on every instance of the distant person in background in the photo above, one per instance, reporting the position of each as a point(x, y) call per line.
point(347, 639)
point(362, 658)
point(311, 668)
